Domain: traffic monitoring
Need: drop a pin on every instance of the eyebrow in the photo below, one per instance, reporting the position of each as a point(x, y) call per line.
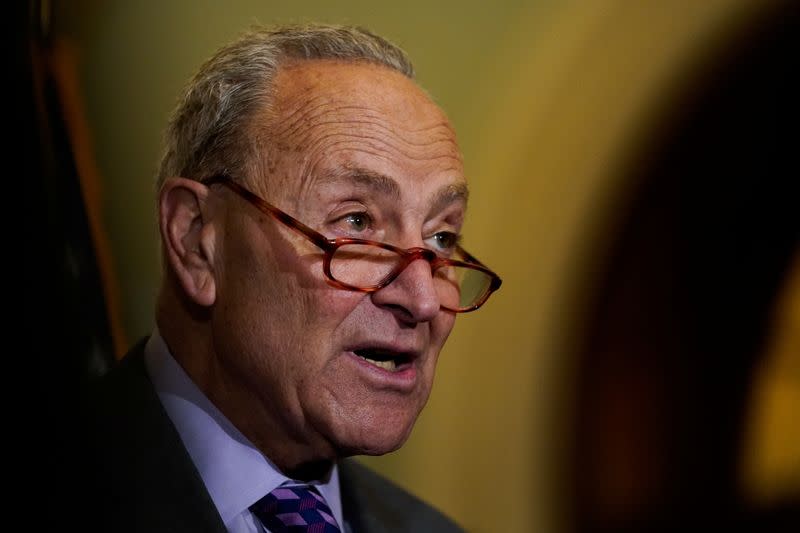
point(380, 183)
point(450, 194)
point(369, 179)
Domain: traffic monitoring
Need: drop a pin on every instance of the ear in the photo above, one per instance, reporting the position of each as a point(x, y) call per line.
point(188, 237)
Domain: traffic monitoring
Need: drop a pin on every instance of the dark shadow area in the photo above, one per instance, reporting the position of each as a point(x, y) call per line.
point(679, 317)
point(64, 338)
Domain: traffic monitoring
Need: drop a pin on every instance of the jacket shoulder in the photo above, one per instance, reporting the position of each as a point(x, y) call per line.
point(138, 471)
point(373, 503)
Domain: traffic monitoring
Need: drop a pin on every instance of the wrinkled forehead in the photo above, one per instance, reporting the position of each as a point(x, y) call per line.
point(332, 113)
point(305, 86)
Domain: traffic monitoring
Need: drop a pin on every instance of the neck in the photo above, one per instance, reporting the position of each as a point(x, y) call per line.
point(311, 471)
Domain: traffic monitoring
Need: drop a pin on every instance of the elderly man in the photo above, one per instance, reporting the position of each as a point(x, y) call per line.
point(310, 202)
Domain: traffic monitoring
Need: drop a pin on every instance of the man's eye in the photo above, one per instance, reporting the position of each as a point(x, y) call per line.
point(358, 221)
point(445, 240)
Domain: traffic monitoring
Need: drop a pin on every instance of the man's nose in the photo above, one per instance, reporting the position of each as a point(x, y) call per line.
point(412, 295)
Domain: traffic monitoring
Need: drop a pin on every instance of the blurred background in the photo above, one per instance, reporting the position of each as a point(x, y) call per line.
point(634, 181)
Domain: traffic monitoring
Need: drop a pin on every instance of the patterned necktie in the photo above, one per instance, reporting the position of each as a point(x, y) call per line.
point(295, 510)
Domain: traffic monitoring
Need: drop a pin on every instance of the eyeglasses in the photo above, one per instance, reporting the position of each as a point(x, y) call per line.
point(368, 266)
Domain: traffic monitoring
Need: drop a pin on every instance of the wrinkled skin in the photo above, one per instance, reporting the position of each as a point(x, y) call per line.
point(355, 150)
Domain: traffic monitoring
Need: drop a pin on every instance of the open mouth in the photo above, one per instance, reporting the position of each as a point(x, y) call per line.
point(385, 359)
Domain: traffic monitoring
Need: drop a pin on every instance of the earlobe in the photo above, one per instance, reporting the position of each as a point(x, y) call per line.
point(188, 237)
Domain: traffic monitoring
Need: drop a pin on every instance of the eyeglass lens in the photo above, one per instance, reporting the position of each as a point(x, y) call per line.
point(367, 266)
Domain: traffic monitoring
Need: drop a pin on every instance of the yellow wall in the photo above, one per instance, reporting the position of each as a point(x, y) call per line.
point(547, 98)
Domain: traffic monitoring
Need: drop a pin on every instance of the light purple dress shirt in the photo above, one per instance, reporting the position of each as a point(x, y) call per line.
point(235, 473)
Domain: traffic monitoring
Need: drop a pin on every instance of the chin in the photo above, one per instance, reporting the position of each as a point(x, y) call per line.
point(381, 447)
point(377, 438)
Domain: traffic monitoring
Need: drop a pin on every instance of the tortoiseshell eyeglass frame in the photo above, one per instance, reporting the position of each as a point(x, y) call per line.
point(329, 247)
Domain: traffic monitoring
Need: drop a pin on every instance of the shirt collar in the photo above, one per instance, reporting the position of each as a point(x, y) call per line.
point(235, 472)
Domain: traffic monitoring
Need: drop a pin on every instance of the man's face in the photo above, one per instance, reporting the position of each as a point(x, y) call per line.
point(357, 150)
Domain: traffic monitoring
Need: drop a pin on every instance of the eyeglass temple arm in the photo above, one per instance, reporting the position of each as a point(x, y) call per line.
point(265, 207)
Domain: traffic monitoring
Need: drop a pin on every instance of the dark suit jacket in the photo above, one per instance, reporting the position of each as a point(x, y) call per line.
point(141, 478)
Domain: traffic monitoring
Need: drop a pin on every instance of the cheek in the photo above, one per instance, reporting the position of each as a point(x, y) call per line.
point(260, 305)
point(334, 306)
point(310, 320)
point(279, 290)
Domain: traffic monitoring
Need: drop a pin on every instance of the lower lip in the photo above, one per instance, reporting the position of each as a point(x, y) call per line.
point(403, 379)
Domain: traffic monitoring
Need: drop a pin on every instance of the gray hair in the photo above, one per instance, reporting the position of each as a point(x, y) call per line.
point(209, 131)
